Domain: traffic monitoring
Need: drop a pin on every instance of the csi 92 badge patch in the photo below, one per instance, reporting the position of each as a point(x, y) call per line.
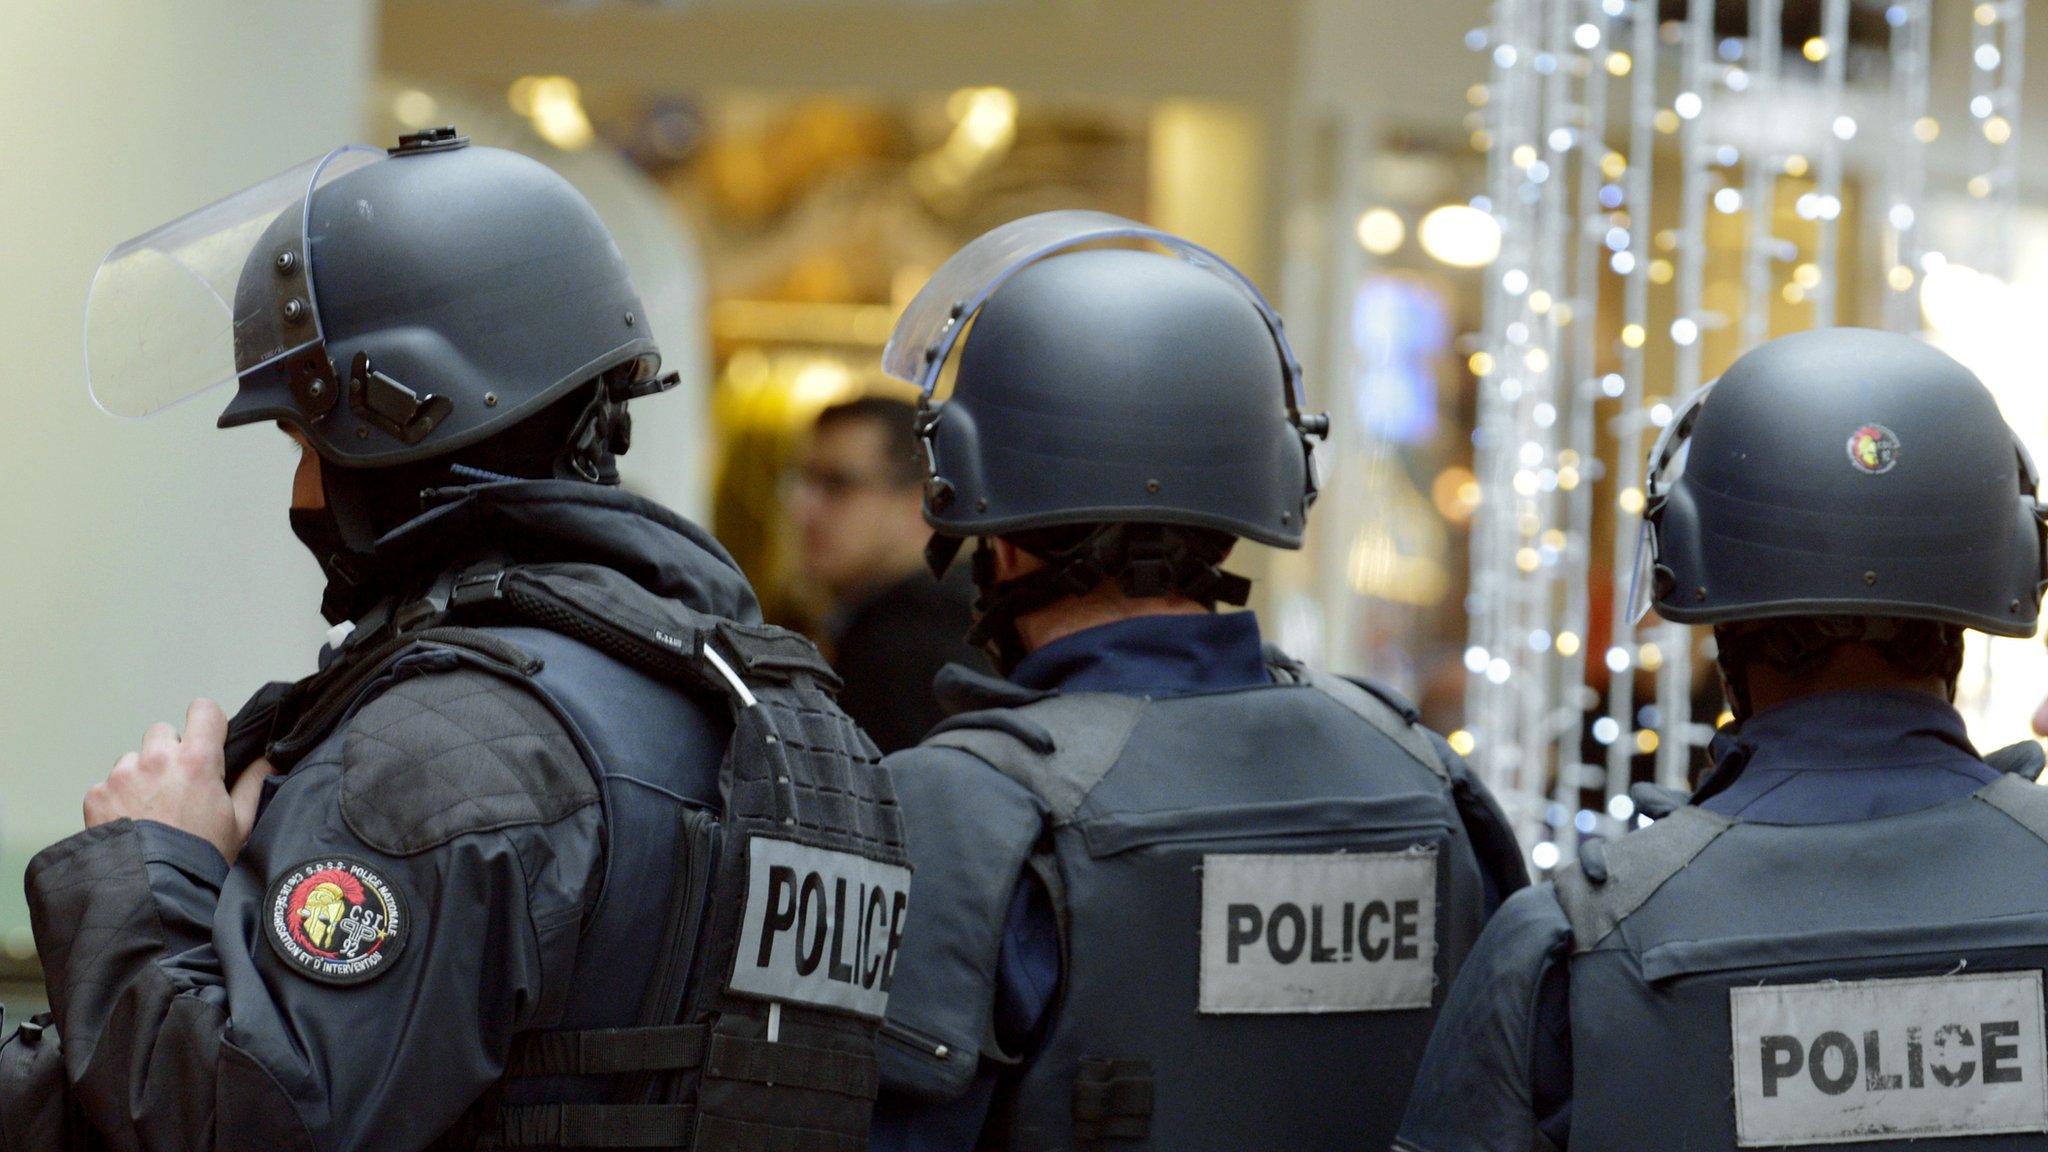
point(1874, 449)
point(336, 920)
point(1836, 1063)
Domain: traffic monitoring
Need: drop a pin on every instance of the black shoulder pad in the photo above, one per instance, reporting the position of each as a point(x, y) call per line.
point(441, 755)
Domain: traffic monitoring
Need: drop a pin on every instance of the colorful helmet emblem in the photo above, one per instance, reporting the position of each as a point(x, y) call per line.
point(1874, 448)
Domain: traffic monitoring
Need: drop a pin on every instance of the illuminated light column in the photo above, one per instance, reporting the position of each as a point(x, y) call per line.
point(1573, 383)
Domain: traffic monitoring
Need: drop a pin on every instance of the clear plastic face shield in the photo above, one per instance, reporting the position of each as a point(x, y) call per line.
point(162, 322)
point(934, 321)
point(1666, 465)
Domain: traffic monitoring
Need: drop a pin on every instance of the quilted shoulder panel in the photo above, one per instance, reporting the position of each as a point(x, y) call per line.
point(442, 755)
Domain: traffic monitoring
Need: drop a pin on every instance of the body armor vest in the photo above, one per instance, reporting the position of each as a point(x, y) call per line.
point(1738, 984)
point(1261, 895)
point(756, 1032)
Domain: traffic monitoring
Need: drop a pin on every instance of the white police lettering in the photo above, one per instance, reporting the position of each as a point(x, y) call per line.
point(1332, 932)
point(1833, 1063)
point(822, 927)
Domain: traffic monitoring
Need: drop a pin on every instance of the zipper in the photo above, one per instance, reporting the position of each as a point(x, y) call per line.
point(922, 1043)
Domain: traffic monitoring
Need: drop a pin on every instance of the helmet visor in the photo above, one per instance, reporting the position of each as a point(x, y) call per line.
point(162, 322)
point(929, 327)
point(1666, 465)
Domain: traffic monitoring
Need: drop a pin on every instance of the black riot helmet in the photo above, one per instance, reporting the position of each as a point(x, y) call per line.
point(394, 307)
point(423, 316)
point(1847, 480)
point(1122, 413)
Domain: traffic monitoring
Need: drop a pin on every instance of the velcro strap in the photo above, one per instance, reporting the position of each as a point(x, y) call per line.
point(592, 1126)
point(604, 1051)
point(722, 1134)
point(797, 1065)
point(774, 653)
point(1109, 1090)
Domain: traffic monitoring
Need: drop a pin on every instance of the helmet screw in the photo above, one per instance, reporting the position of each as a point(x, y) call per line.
point(294, 308)
point(1700, 593)
point(1152, 486)
point(981, 505)
point(287, 260)
point(2013, 607)
point(315, 387)
point(629, 319)
point(490, 399)
point(1870, 577)
point(362, 433)
point(1287, 518)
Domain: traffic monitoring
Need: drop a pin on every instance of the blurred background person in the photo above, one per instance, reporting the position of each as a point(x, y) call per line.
point(858, 503)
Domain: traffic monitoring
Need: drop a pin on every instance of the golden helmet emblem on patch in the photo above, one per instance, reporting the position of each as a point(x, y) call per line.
point(325, 905)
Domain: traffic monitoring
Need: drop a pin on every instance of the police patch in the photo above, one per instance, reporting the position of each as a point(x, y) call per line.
point(1873, 448)
point(1922, 1057)
point(336, 920)
point(1323, 932)
point(821, 928)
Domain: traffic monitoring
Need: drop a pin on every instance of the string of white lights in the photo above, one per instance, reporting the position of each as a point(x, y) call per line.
point(1601, 121)
point(1912, 131)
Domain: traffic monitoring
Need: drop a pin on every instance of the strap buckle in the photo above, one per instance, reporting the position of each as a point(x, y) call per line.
point(475, 588)
point(1112, 1100)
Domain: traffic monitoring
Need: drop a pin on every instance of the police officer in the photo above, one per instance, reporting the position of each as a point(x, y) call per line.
point(1840, 938)
point(1175, 890)
point(561, 846)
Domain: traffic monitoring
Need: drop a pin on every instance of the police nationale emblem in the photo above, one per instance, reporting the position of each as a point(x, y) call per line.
point(1873, 448)
point(336, 920)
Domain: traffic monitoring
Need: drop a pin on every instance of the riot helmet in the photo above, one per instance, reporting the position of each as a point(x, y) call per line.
point(408, 312)
point(1123, 414)
point(1852, 485)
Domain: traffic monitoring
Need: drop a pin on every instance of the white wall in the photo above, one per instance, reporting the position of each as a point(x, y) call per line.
point(141, 563)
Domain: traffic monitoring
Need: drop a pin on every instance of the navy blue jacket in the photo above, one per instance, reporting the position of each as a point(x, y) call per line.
point(1500, 1060)
point(1149, 656)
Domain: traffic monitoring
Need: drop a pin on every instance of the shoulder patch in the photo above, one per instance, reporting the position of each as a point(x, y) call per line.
point(336, 920)
point(439, 756)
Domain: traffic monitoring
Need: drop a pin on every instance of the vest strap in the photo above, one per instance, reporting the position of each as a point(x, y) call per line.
point(2022, 799)
point(606, 1051)
point(797, 1065)
point(1112, 1100)
point(1596, 900)
point(1087, 731)
point(724, 1134)
point(1371, 708)
point(591, 1126)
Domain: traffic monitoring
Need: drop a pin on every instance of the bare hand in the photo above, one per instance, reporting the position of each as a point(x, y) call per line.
point(182, 782)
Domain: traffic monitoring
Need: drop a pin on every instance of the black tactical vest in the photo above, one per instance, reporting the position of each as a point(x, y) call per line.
point(757, 1029)
point(1876, 982)
point(1261, 896)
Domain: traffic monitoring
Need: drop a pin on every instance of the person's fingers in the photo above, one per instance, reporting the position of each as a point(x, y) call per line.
point(95, 805)
point(159, 741)
point(248, 793)
point(2041, 719)
point(206, 728)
